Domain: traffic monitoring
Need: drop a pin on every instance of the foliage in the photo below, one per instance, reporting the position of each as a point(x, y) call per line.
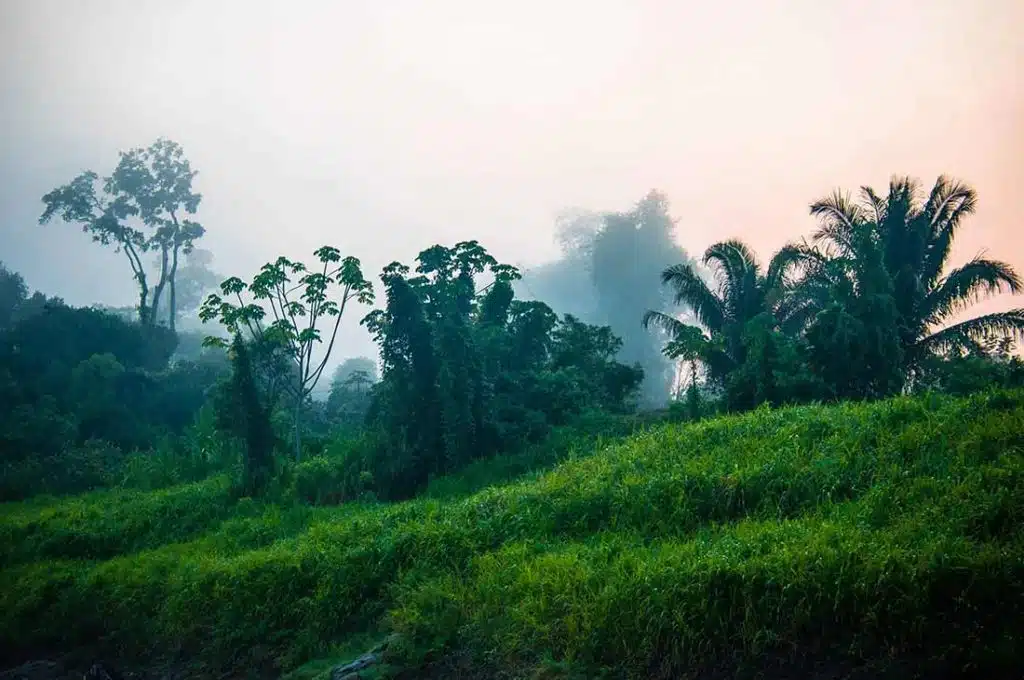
point(991, 364)
point(883, 536)
point(468, 374)
point(854, 314)
point(83, 388)
point(244, 413)
point(195, 279)
point(295, 307)
point(603, 277)
point(884, 258)
point(143, 206)
point(739, 320)
point(624, 252)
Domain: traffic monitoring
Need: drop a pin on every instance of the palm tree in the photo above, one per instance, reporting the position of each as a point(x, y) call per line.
point(899, 246)
point(742, 292)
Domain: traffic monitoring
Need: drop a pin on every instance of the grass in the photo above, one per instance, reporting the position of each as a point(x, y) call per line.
point(856, 535)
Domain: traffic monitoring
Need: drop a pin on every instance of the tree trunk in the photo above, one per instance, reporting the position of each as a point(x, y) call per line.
point(172, 314)
point(158, 292)
point(145, 318)
point(298, 426)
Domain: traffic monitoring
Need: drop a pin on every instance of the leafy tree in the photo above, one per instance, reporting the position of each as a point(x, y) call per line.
point(295, 307)
point(743, 292)
point(143, 206)
point(431, 365)
point(16, 304)
point(468, 371)
point(883, 261)
point(354, 373)
point(774, 369)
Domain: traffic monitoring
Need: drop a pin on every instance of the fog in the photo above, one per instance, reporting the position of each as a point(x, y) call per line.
point(383, 128)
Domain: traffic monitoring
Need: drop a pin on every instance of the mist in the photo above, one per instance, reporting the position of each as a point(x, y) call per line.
point(383, 130)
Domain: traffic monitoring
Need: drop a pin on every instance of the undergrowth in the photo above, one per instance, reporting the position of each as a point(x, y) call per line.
point(854, 534)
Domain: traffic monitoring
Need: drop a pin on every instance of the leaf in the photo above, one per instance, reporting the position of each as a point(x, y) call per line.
point(233, 286)
point(328, 254)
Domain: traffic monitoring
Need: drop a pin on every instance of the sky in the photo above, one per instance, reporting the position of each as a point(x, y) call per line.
point(384, 127)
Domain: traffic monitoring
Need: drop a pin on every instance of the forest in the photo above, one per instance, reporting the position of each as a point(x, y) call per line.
point(628, 462)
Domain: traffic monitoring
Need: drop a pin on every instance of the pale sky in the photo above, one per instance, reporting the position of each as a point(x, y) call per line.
point(385, 127)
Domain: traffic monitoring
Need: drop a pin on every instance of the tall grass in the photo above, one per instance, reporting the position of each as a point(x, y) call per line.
point(853, 534)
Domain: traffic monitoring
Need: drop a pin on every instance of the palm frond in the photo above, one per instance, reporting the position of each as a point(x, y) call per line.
point(974, 331)
point(949, 203)
point(876, 202)
point(663, 322)
point(685, 342)
point(737, 272)
point(691, 290)
point(791, 256)
point(838, 217)
point(966, 285)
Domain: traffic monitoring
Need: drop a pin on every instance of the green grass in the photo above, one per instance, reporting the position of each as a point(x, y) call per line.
point(851, 534)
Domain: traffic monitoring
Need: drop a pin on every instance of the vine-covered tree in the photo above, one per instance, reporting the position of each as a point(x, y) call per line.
point(243, 412)
point(469, 371)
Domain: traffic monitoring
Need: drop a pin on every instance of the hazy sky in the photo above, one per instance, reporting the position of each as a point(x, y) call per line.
point(384, 127)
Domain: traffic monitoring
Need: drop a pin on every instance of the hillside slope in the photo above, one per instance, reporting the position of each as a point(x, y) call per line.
point(833, 541)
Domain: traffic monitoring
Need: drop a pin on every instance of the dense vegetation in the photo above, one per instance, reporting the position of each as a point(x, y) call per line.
point(817, 461)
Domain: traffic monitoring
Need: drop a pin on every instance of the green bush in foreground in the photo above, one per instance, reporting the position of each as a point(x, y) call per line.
point(848, 533)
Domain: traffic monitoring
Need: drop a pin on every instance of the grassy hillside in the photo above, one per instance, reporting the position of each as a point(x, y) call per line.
point(881, 537)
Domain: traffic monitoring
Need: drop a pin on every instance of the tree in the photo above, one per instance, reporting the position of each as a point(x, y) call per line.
point(349, 396)
point(359, 372)
point(242, 411)
point(468, 371)
point(13, 293)
point(892, 251)
point(743, 292)
point(624, 252)
point(603, 277)
point(296, 307)
point(195, 279)
point(143, 206)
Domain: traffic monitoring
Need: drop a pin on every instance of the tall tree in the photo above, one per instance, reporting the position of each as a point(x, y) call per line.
point(295, 307)
point(468, 371)
point(743, 292)
point(897, 247)
point(195, 279)
point(624, 252)
point(350, 390)
point(243, 411)
point(603, 276)
point(144, 205)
